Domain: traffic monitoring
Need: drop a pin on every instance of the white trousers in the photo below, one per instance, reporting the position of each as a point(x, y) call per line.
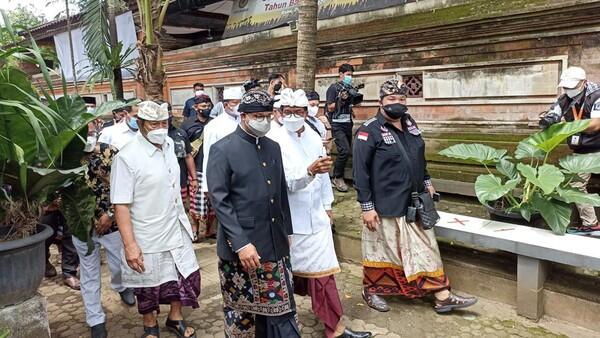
point(91, 274)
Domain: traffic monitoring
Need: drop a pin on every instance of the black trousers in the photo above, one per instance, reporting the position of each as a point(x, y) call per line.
point(342, 136)
point(70, 260)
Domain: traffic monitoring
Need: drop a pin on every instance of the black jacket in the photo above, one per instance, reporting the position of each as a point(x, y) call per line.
point(247, 188)
point(382, 176)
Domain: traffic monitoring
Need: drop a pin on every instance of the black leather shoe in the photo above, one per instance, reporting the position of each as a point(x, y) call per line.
point(99, 331)
point(127, 297)
point(375, 302)
point(355, 334)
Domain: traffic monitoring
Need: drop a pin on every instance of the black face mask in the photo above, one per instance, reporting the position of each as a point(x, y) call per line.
point(277, 88)
point(205, 112)
point(395, 111)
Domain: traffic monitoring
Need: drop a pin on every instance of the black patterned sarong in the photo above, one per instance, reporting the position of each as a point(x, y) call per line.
point(258, 303)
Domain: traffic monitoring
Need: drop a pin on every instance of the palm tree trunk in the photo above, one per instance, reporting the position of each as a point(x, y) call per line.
point(306, 55)
point(117, 76)
point(71, 46)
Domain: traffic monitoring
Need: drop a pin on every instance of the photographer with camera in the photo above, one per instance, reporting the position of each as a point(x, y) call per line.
point(341, 96)
point(400, 254)
point(580, 101)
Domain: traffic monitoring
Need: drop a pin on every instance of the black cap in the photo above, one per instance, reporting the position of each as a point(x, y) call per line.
point(256, 101)
point(312, 95)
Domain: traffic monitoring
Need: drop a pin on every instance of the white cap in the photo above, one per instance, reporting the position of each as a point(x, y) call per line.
point(233, 93)
point(571, 77)
point(199, 93)
point(152, 111)
point(293, 98)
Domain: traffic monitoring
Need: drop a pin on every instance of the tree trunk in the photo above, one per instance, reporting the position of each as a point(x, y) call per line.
point(117, 76)
point(150, 72)
point(71, 46)
point(306, 61)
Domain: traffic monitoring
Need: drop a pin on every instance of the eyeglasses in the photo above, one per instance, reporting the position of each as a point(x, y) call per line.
point(293, 113)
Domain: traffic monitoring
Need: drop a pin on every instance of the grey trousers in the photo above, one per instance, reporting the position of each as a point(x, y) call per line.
point(91, 274)
point(586, 211)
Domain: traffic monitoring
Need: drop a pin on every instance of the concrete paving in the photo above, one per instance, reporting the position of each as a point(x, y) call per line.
point(408, 318)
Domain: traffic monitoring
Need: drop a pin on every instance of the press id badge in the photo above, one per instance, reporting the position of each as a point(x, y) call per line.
point(575, 140)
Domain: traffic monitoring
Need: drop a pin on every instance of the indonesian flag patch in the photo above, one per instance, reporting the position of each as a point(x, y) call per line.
point(363, 135)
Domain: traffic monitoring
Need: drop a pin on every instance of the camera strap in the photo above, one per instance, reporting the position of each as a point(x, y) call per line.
point(415, 189)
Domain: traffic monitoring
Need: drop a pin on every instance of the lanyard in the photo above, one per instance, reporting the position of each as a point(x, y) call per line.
point(577, 114)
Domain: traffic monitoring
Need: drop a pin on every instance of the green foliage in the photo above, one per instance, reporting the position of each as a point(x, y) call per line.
point(533, 186)
point(4, 332)
point(36, 134)
point(79, 204)
point(19, 19)
point(104, 58)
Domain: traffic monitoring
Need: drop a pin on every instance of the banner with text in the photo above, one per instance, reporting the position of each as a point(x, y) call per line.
point(250, 16)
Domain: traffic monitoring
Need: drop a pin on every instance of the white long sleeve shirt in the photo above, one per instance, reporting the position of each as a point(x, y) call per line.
point(218, 128)
point(309, 196)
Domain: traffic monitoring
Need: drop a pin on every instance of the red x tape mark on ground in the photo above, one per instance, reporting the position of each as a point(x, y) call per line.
point(461, 222)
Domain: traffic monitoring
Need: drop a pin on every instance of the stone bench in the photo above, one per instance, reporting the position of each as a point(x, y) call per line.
point(535, 249)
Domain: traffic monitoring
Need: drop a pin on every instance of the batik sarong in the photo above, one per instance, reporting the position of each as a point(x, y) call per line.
point(258, 303)
point(185, 290)
point(402, 258)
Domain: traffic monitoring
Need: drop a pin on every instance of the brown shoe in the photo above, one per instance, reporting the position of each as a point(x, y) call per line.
point(453, 302)
point(340, 184)
point(72, 282)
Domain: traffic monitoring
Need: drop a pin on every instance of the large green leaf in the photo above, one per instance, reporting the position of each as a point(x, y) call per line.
point(507, 168)
point(557, 214)
point(547, 177)
point(474, 152)
point(556, 134)
point(490, 187)
point(528, 150)
point(581, 163)
point(579, 197)
point(79, 204)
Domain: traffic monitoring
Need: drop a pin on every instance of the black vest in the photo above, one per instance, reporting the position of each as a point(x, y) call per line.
point(588, 142)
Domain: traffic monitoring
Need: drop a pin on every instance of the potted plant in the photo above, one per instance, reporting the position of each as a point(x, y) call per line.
point(40, 151)
point(527, 184)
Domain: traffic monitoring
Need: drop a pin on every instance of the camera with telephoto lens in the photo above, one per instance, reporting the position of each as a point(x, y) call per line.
point(554, 115)
point(352, 93)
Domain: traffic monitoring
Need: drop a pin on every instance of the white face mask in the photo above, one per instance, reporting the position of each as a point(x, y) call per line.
point(260, 128)
point(313, 111)
point(235, 111)
point(158, 136)
point(293, 124)
point(574, 92)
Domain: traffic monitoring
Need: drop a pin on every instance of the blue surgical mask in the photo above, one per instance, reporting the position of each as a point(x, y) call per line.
point(132, 123)
point(348, 79)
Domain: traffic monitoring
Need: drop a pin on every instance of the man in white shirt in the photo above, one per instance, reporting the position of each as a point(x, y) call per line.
point(159, 260)
point(120, 133)
point(217, 129)
point(313, 258)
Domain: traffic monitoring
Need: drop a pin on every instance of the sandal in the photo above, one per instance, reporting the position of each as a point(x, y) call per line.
point(178, 327)
point(151, 331)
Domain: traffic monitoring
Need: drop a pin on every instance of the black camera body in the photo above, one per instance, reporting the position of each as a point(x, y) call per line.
point(353, 93)
point(554, 115)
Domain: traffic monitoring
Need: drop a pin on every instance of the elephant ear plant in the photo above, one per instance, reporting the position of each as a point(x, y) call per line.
point(527, 183)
